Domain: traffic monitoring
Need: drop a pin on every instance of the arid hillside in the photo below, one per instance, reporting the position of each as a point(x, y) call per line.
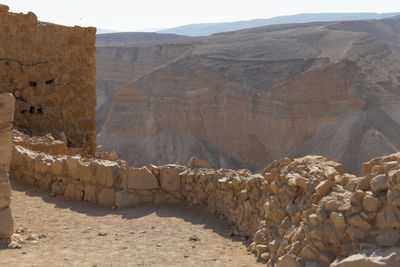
point(245, 98)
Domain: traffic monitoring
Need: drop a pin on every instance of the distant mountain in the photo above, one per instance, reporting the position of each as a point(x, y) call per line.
point(101, 30)
point(129, 38)
point(205, 29)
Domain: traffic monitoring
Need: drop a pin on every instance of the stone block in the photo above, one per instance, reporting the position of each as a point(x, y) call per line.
point(57, 167)
point(7, 108)
point(5, 147)
point(169, 177)
point(106, 197)
point(57, 188)
point(74, 192)
point(141, 178)
point(90, 193)
point(124, 199)
point(106, 172)
point(6, 223)
point(379, 183)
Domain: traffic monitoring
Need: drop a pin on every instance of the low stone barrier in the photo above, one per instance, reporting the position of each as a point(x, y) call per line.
point(297, 211)
point(7, 103)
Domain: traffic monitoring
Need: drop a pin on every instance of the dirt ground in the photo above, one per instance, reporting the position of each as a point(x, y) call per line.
point(82, 234)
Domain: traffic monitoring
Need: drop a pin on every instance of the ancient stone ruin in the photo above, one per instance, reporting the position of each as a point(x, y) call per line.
point(51, 71)
point(298, 212)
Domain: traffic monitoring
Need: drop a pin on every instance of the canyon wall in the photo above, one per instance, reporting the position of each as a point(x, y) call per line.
point(51, 71)
point(7, 103)
point(245, 98)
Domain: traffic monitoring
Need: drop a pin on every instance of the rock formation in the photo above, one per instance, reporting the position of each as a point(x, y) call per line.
point(245, 98)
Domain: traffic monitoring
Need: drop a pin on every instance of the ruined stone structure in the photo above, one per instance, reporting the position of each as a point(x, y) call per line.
point(303, 211)
point(51, 71)
point(7, 103)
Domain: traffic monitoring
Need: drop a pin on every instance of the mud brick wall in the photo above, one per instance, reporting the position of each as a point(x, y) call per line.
point(6, 116)
point(51, 71)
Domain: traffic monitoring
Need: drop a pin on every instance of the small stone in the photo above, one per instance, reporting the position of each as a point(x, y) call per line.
point(42, 235)
point(14, 245)
point(33, 237)
point(324, 187)
point(102, 234)
point(33, 242)
point(194, 238)
point(260, 249)
point(159, 245)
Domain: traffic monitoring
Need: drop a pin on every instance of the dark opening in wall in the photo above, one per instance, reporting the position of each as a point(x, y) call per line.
point(32, 83)
point(40, 110)
point(50, 81)
point(31, 109)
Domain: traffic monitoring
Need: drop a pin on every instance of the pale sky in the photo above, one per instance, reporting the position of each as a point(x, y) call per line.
point(125, 15)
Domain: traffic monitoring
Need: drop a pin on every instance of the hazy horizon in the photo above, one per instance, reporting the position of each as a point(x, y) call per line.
point(126, 16)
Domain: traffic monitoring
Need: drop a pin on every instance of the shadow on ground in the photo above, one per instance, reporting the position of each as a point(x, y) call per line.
point(190, 214)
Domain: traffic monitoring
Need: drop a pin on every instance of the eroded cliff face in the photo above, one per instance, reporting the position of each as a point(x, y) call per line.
point(246, 98)
point(118, 66)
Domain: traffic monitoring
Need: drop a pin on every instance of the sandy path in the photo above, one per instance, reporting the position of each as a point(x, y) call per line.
point(142, 236)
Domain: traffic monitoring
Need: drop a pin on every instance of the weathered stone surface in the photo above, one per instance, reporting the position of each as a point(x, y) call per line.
point(106, 172)
point(371, 204)
point(106, 197)
point(388, 238)
point(124, 199)
point(6, 223)
point(289, 260)
point(379, 258)
point(142, 179)
point(323, 188)
point(74, 191)
point(169, 177)
point(56, 92)
point(379, 183)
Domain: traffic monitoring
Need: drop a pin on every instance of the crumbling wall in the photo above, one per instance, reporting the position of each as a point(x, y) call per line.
point(7, 102)
point(300, 211)
point(51, 71)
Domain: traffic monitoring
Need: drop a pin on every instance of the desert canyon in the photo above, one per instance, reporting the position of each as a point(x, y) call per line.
point(287, 134)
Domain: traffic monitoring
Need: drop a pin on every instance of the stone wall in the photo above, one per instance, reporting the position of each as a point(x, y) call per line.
point(302, 211)
point(51, 71)
point(7, 103)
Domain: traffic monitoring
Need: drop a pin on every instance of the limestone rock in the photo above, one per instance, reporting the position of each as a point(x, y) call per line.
point(169, 177)
point(6, 223)
point(379, 183)
point(378, 258)
point(106, 197)
point(289, 260)
point(142, 179)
